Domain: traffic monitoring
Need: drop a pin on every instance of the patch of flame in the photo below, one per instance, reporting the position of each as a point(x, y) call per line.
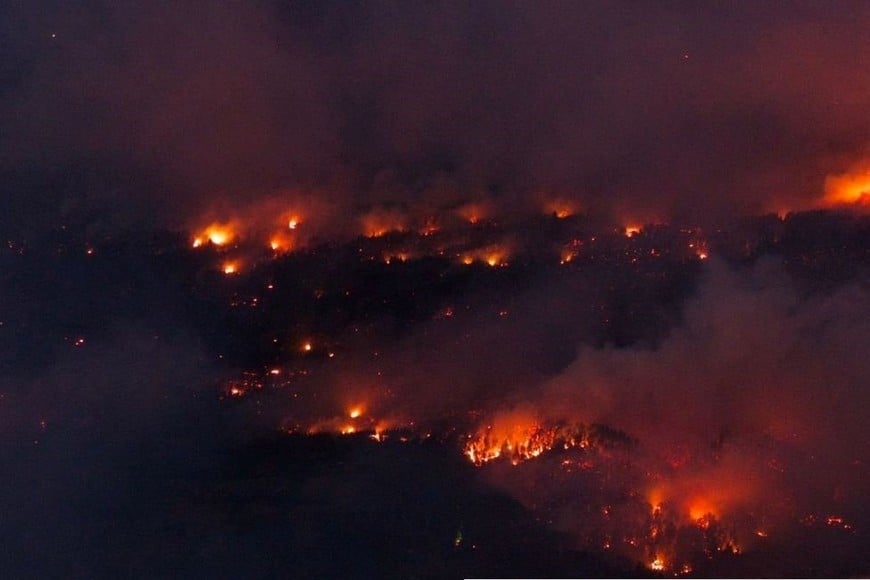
point(280, 243)
point(633, 230)
point(473, 213)
point(429, 228)
point(493, 256)
point(849, 188)
point(560, 208)
point(218, 234)
point(389, 258)
point(567, 256)
point(379, 223)
point(519, 437)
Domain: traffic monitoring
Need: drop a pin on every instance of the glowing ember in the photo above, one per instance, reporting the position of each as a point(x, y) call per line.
point(306, 347)
point(293, 223)
point(230, 267)
point(658, 564)
point(355, 412)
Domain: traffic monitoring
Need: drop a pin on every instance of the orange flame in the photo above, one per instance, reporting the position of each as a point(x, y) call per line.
point(280, 243)
point(632, 230)
point(380, 222)
point(849, 188)
point(473, 213)
point(493, 256)
point(217, 233)
point(230, 267)
point(560, 208)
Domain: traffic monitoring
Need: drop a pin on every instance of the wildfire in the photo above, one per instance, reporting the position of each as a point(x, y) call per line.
point(216, 233)
point(492, 256)
point(380, 222)
point(560, 208)
point(632, 230)
point(355, 412)
point(230, 267)
point(389, 258)
point(473, 213)
point(495, 260)
point(521, 438)
point(280, 243)
point(429, 228)
point(850, 188)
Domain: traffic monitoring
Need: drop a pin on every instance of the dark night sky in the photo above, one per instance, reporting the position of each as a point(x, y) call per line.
point(668, 109)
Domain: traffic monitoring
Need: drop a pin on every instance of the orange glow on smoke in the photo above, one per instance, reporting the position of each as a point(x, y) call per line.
point(280, 243)
point(658, 564)
point(396, 257)
point(560, 208)
point(700, 509)
point(429, 228)
point(655, 497)
point(473, 213)
point(849, 188)
point(216, 233)
point(493, 256)
point(380, 222)
point(518, 436)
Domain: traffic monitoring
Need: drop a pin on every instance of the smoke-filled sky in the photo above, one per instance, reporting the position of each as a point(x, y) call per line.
point(133, 111)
